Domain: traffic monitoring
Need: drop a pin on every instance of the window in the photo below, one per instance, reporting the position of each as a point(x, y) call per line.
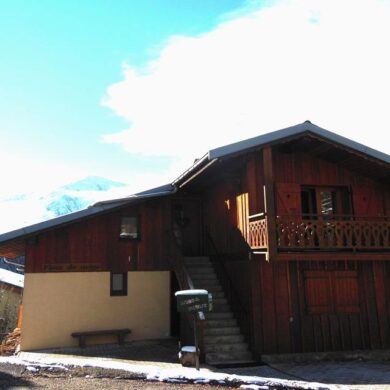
point(129, 228)
point(118, 284)
point(325, 202)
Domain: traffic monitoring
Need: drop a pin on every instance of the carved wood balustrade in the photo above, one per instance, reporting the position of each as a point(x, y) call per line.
point(322, 232)
point(257, 231)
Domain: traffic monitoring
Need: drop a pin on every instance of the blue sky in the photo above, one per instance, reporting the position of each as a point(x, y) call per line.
point(59, 57)
point(135, 90)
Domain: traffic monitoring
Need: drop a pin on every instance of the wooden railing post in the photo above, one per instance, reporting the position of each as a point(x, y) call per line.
point(269, 200)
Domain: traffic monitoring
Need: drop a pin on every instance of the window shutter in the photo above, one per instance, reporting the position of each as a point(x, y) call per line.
point(367, 202)
point(288, 200)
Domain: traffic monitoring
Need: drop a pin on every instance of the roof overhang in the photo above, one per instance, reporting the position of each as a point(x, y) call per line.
point(306, 128)
point(13, 243)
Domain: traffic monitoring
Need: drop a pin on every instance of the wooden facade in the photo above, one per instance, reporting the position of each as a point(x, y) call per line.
point(313, 281)
point(299, 229)
point(95, 244)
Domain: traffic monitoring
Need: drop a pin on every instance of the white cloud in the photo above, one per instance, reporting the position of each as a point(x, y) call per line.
point(327, 61)
point(24, 173)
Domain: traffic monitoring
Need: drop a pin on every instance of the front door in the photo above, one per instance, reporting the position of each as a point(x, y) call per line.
point(187, 225)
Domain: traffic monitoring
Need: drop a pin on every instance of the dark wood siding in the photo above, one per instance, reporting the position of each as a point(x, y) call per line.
point(301, 305)
point(312, 306)
point(293, 170)
point(346, 308)
point(94, 244)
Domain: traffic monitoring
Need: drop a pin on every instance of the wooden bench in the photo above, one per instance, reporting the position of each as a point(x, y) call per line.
point(121, 333)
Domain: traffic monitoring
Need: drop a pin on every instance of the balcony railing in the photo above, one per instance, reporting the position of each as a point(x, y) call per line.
point(258, 231)
point(321, 232)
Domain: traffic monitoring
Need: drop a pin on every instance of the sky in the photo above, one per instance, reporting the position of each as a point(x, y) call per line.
point(134, 91)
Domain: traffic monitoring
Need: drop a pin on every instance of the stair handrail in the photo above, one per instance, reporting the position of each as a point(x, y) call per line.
point(241, 307)
point(177, 263)
point(225, 273)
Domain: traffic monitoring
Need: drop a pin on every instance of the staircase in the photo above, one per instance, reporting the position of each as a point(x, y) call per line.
point(223, 342)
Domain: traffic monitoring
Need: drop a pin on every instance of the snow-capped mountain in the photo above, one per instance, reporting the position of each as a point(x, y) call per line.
point(79, 195)
point(25, 209)
point(93, 183)
point(65, 204)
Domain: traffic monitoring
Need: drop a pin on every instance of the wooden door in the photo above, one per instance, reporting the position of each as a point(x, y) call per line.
point(333, 312)
point(187, 225)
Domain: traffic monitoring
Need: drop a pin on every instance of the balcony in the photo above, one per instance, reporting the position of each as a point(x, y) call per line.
point(320, 232)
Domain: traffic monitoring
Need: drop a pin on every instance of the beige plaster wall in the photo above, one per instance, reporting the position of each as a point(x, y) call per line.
point(57, 304)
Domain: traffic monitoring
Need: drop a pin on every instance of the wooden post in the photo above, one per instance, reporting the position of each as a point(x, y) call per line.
point(20, 316)
point(196, 341)
point(269, 203)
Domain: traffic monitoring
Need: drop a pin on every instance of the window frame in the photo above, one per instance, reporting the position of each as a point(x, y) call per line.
point(124, 236)
point(341, 202)
point(123, 291)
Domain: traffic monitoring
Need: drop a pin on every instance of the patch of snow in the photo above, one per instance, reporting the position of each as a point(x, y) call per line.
point(188, 348)
point(169, 380)
point(32, 369)
point(156, 373)
point(191, 292)
point(11, 278)
point(254, 387)
point(202, 381)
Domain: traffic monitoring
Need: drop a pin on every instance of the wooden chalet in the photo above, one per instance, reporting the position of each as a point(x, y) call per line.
point(290, 231)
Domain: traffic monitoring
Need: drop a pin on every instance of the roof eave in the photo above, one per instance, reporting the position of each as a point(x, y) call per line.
point(303, 128)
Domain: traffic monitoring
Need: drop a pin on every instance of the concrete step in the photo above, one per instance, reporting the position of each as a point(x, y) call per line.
point(220, 301)
point(194, 265)
point(211, 289)
point(216, 358)
point(218, 295)
point(204, 277)
point(219, 316)
point(228, 348)
point(221, 323)
point(197, 260)
point(200, 268)
point(222, 331)
point(200, 271)
point(221, 307)
point(223, 339)
point(208, 283)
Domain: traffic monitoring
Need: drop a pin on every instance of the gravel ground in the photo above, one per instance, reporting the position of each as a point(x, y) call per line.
point(80, 378)
point(59, 383)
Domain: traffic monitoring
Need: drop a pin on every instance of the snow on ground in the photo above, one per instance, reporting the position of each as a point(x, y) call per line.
point(12, 278)
point(190, 292)
point(180, 374)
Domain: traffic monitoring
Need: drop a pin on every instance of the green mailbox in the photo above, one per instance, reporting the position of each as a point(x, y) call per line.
point(192, 301)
